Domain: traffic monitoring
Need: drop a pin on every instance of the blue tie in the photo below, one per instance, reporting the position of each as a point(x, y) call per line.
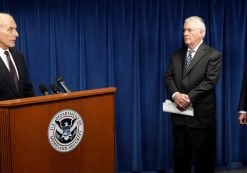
point(188, 59)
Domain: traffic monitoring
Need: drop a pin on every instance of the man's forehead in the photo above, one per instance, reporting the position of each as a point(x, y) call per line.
point(189, 24)
point(5, 18)
point(7, 21)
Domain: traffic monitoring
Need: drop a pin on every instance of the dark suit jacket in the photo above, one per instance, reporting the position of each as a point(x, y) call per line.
point(243, 96)
point(7, 86)
point(198, 82)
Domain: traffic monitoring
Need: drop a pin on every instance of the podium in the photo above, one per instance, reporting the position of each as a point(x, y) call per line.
point(61, 133)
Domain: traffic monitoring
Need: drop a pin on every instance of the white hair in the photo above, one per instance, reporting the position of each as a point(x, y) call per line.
point(2, 16)
point(199, 23)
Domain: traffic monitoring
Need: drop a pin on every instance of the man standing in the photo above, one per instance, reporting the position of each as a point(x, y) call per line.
point(191, 80)
point(14, 79)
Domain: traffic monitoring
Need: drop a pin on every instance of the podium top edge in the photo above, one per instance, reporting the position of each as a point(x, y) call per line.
point(57, 97)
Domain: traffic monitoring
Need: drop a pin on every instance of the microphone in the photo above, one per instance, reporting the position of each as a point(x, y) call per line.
point(61, 82)
point(55, 89)
point(43, 89)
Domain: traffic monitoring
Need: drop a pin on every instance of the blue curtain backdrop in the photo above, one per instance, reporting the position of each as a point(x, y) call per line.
point(127, 44)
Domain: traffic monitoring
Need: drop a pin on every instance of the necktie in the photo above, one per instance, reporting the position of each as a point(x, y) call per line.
point(188, 59)
point(12, 69)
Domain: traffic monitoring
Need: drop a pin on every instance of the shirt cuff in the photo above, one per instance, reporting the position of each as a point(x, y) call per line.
point(173, 95)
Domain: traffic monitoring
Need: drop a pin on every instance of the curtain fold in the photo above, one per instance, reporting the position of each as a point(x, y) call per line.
point(127, 44)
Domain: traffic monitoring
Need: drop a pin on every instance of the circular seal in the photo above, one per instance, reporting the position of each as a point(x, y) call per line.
point(65, 130)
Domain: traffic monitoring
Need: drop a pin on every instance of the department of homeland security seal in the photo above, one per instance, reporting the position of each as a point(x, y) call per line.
point(65, 130)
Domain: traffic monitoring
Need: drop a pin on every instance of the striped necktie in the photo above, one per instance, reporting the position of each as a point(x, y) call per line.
point(188, 59)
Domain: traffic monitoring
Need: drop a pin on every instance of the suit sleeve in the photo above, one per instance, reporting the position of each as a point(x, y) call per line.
point(169, 80)
point(28, 87)
point(210, 80)
point(25, 84)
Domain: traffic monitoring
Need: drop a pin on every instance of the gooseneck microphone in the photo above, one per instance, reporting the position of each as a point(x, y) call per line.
point(43, 89)
point(55, 89)
point(61, 82)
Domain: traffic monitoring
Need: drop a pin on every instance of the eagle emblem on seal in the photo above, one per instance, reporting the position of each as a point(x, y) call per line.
point(65, 130)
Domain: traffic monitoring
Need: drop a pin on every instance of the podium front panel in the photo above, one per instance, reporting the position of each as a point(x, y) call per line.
point(28, 150)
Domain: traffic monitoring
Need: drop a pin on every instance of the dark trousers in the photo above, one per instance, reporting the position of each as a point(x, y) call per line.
point(194, 148)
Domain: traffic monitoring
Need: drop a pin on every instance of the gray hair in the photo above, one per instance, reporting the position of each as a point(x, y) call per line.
point(2, 15)
point(199, 23)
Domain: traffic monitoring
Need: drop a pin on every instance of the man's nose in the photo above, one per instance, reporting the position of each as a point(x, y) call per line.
point(16, 33)
point(185, 32)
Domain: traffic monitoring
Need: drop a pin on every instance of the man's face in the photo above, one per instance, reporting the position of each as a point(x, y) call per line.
point(192, 34)
point(8, 32)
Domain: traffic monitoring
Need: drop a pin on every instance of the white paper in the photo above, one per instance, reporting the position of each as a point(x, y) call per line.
point(169, 106)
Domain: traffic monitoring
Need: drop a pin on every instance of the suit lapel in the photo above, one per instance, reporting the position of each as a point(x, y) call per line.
point(197, 57)
point(17, 62)
point(4, 72)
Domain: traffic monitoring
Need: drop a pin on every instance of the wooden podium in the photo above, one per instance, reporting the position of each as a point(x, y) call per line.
point(25, 125)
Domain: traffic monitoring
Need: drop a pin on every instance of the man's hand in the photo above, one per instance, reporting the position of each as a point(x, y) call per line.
point(182, 101)
point(242, 119)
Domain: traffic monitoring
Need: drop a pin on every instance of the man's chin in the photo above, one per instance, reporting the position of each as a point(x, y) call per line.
point(186, 42)
point(12, 45)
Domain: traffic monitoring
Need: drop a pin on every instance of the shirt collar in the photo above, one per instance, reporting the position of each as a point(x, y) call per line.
point(2, 51)
point(196, 48)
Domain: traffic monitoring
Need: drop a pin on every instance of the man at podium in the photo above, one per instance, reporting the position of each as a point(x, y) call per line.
point(14, 78)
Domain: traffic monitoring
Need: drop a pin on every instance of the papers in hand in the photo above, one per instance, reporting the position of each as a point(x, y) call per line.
point(169, 106)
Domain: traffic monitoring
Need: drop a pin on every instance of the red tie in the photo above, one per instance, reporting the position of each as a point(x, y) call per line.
point(12, 69)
